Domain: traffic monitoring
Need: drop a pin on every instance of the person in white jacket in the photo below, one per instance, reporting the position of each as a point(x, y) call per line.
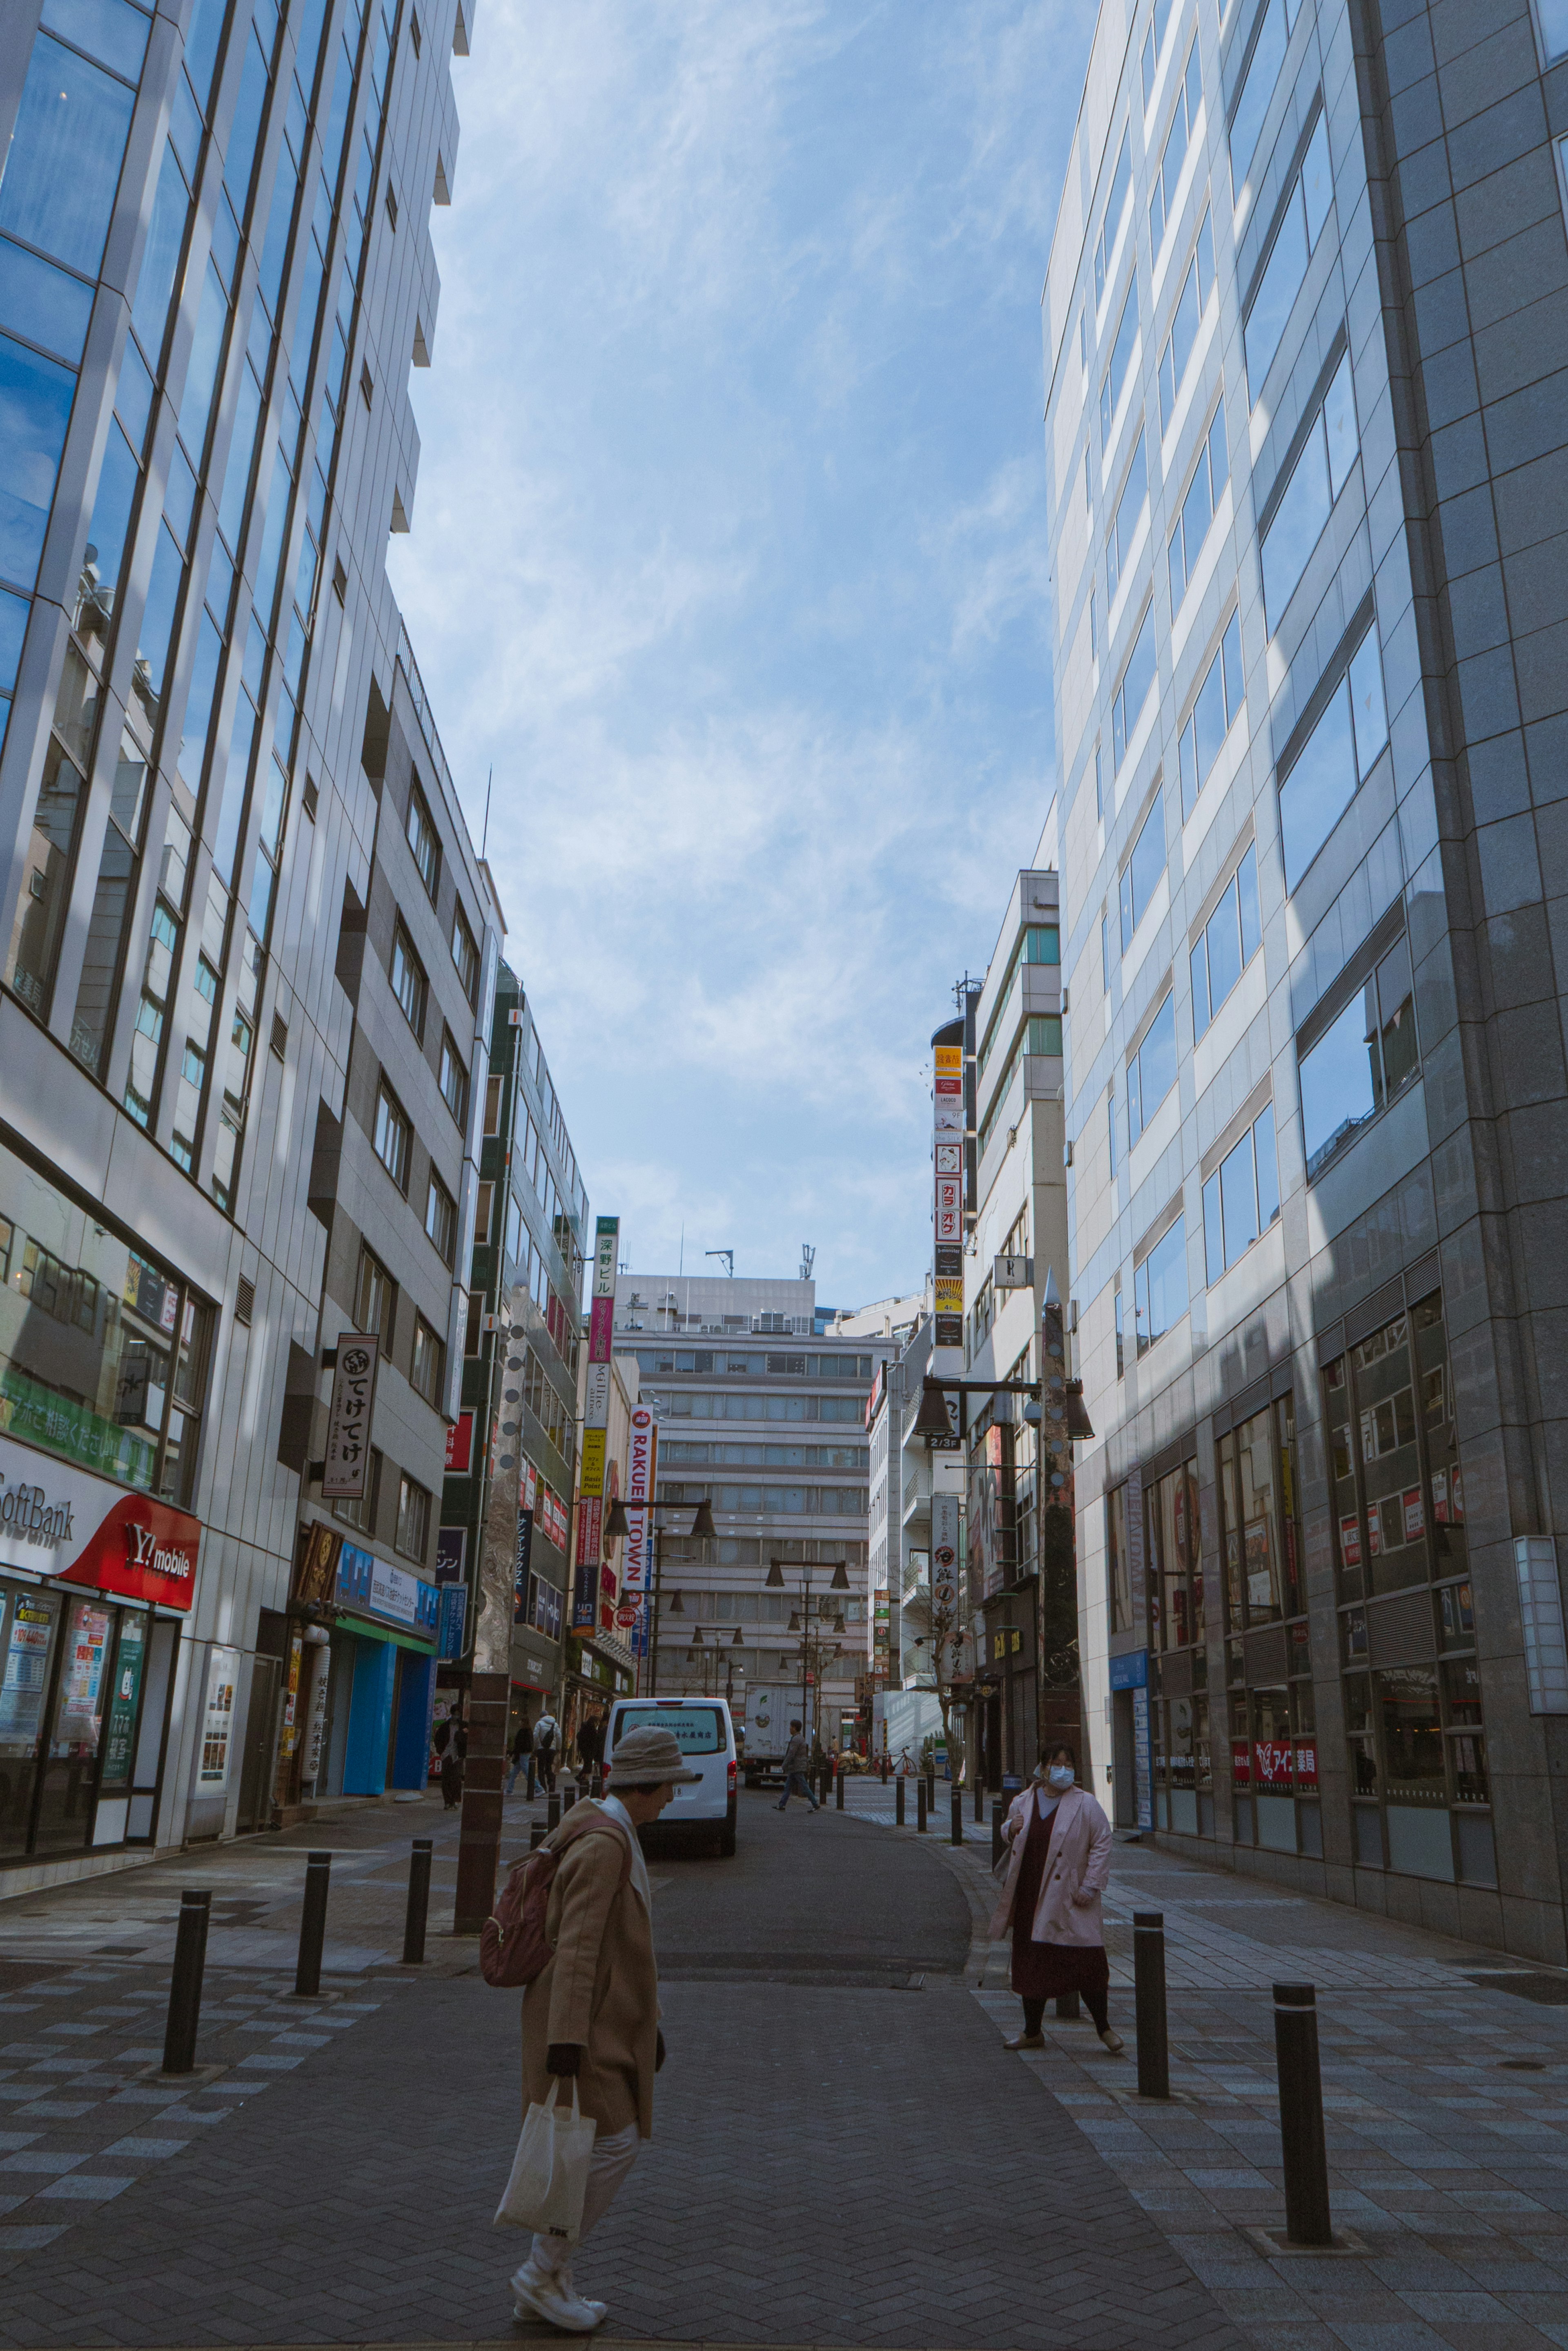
point(1059, 1857)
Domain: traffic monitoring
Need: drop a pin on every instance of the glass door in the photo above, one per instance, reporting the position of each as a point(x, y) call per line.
point(68, 1780)
point(28, 1623)
point(124, 1696)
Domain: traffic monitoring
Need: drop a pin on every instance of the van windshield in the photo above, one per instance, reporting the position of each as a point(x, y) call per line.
point(699, 1729)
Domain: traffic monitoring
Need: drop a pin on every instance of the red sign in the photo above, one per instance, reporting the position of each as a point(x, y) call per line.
point(590, 1518)
point(1350, 1541)
point(1307, 1763)
point(601, 1329)
point(460, 1445)
point(626, 1618)
point(1273, 1762)
point(143, 1550)
point(1241, 1763)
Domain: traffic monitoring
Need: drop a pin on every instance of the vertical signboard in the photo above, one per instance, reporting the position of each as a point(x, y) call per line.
point(347, 1459)
point(637, 1568)
point(595, 1423)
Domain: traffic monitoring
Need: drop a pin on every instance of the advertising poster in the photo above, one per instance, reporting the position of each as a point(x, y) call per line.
point(80, 1711)
point(218, 1721)
point(123, 1701)
point(24, 1675)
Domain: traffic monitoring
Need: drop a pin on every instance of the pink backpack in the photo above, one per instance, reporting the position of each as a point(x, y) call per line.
point(514, 1947)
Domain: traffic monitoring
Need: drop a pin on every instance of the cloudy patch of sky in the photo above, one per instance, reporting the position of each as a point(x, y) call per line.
point(728, 556)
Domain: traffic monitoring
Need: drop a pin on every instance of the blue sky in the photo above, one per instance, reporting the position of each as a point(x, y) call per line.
point(728, 552)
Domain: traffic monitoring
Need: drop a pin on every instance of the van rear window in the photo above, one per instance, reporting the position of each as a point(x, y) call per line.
point(699, 1729)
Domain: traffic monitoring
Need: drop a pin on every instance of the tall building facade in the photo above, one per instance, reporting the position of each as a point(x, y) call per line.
point(248, 950)
point(1305, 355)
point(758, 1410)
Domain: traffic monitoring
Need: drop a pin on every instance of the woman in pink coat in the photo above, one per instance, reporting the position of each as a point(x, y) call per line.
point(1058, 1861)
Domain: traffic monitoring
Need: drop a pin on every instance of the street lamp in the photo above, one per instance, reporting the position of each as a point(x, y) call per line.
point(813, 1645)
point(619, 1525)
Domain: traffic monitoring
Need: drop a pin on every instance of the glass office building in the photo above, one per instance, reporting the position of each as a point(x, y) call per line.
point(215, 275)
point(1306, 364)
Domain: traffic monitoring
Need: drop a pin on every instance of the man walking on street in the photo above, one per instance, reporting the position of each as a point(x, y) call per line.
point(521, 1748)
point(547, 1733)
point(592, 2015)
point(796, 1763)
point(590, 1748)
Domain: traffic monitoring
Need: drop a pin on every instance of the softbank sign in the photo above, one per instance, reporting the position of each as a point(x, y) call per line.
point(57, 1520)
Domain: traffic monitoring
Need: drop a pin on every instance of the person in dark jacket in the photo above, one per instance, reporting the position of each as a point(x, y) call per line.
point(522, 1748)
point(796, 1768)
point(453, 1751)
point(590, 1750)
point(546, 1739)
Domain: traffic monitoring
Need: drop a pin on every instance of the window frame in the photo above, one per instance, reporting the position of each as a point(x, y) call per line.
point(389, 1107)
point(436, 1190)
point(403, 946)
point(418, 822)
point(412, 1494)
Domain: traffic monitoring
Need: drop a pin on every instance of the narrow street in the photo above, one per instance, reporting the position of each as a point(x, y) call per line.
point(834, 2017)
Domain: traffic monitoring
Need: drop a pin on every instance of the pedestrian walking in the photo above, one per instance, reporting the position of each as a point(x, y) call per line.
point(590, 1745)
point(592, 2015)
point(521, 1748)
point(1059, 1857)
point(547, 1737)
point(454, 1749)
point(796, 1764)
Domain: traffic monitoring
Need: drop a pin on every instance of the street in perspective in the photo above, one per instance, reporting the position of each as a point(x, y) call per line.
point(553, 1782)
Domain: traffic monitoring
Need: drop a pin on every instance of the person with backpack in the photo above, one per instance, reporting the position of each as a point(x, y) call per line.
point(590, 2015)
point(547, 1732)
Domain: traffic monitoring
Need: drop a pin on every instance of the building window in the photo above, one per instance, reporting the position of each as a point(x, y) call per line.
point(424, 841)
point(1335, 760)
point(1230, 938)
point(1137, 685)
point(1159, 1287)
point(413, 1525)
point(393, 1136)
point(1251, 107)
point(1259, 1540)
point(454, 1079)
point(1197, 508)
point(1121, 1340)
point(1116, 212)
point(1298, 230)
point(1182, 340)
point(1117, 374)
point(1154, 42)
point(441, 1217)
point(1188, 98)
point(493, 1087)
point(1175, 1563)
point(483, 1209)
point(465, 954)
point(1142, 872)
point(1368, 1055)
point(1129, 513)
point(409, 984)
point(429, 1361)
point(1241, 1198)
point(362, 1515)
point(1215, 712)
point(1321, 471)
point(1151, 1072)
point(375, 1299)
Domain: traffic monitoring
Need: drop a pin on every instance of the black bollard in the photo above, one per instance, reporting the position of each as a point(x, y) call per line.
point(995, 1834)
point(979, 1800)
point(536, 1836)
point(418, 1903)
point(1067, 2004)
point(1149, 1981)
point(931, 1791)
point(530, 1779)
point(185, 1984)
point(921, 1807)
point(312, 1925)
point(553, 1811)
point(568, 1798)
point(899, 1802)
point(957, 1816)
point(840, 1797)
point(883, 1771)
point(1307, 2219)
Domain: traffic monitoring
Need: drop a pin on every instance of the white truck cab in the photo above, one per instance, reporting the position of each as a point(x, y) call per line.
point(703, 1810)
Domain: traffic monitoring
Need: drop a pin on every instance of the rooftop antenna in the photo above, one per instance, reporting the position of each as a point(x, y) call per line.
point(807, 1259)
point(484, 836)
point(682, 1267)
point(728, 1257)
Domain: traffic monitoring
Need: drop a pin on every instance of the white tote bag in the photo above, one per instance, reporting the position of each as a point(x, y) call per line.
point(549, 2171)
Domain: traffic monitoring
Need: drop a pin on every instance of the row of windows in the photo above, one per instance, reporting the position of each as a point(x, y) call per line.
point(376, 1309)
point(814, 1501)
point(654, 1360)
point(767, 1457)
point(411, 989)
point(411, 1519)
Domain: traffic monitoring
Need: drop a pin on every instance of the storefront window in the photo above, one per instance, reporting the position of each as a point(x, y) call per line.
point(83, 1688)
point(1412, 1735)
point(1175, 1572)
point(27, 1624)
point(1257, 1492)
point(1399, 1494)
point(90, 1332)
point(1118, 1567)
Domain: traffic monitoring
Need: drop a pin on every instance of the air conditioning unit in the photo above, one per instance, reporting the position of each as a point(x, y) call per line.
point(1012, 1274)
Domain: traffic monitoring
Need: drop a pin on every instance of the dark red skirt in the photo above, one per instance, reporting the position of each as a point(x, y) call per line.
point(1047, 1970)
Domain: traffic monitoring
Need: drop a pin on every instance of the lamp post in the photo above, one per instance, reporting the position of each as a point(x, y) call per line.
point(617, 1526)
point(810, 1645)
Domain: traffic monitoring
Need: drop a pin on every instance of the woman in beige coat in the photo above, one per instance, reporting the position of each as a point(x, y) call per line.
point(1058, 1860)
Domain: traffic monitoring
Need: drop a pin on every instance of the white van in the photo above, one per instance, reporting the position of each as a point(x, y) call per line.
point(704, 1808)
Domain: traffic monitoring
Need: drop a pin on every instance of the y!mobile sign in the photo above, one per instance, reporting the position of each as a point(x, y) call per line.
point(57, 1520)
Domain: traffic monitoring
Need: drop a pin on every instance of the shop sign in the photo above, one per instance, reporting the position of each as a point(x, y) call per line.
point(1131, 1671)
point(1272, 1763)
point(460, 1446)
point(123, 1705)
point(453, 1618)
point(1307, 1763)
point(218, 1721)
point(1241, 1763)
point(317, 1573)
point(22, 1675)
point(374, 1584)
point(452, 1554)
point(347, 1459)
point(57, 1520)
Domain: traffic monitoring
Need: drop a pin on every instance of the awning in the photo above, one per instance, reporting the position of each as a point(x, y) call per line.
point(367, 1628)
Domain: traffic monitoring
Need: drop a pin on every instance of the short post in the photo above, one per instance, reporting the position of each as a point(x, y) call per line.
point(553, 1811)
point(1307, 2219)
point(839, 1799)
point(921, 1807)
point(930, 1788)
point(1067, 2004)
point(1148, 1994)
point(883, 1771)
point(536, 1836)
point(312, 1925)
point(532, 1778)
point(979, 1800)
point(957, 1816)
point(899, 1802)
point(568, 1798)
point(995, 1834)
point(185, 1984)
point(418, 1903)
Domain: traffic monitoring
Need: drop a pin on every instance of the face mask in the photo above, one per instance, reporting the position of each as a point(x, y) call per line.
point(1060, 1775)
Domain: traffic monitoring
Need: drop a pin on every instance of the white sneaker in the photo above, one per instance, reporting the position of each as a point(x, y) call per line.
point(540, 2296)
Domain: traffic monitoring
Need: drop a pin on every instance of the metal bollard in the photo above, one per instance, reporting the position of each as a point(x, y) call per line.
point(1149, 1993)
point(553, 1811)
point(883, 1771)
point(418, 1903)
point(899, 1802)
point(532, 1779)
point(957, 1816)
point(840, 1797)
point(921, 1806)
point(931, 1790)
point(568, 1798)
point(536, 1836)
point(979, 1800)
point(1067, 2004)
point(1307, 2218)
point(185, 1984)
point(312, 1925)
point(995, 1834)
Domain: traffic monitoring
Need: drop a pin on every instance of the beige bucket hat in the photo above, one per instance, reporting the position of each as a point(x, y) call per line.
point(647, 1758)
